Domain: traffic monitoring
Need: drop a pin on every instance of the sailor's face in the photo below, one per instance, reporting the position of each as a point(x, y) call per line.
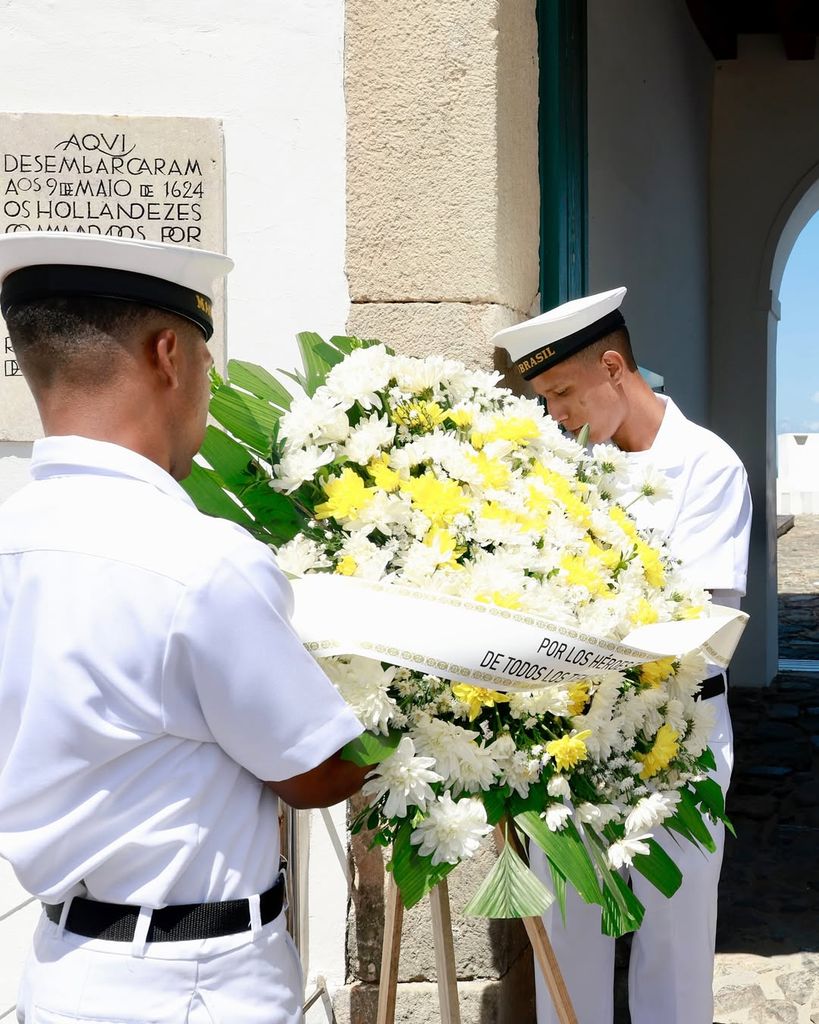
point(194, 395)
point(578, 392)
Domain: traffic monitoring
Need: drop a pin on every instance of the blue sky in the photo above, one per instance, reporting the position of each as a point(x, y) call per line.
point(797, 346)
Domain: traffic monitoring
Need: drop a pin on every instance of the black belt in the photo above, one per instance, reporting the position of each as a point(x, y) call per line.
point(116, 922)
point(711, 687)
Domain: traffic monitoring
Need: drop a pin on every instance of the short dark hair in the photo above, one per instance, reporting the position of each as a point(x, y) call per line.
point(617, 341)
point(75, 340)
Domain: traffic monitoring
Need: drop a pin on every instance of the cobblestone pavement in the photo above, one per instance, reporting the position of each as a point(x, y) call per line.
point(767, 969)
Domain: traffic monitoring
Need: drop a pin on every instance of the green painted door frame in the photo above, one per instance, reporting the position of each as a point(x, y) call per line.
point(562, 125)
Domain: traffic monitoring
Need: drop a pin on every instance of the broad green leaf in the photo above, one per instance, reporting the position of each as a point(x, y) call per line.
point(534, 801)
point(259, 382)
point(494, 802)
point(559, 886)
point(690, 815)
point(329, 354)
point(275, 511)
point(710, 796)
point(315, 367)
point(566, 850)
point(706, 761)
point(343, 343)
point(298, 377)
point(659, 869)
point(622, 911)
point(207, 494)
point(414, 875)
point(368, 748)
point(229, 458)
point(246, 417)
point(509, 890)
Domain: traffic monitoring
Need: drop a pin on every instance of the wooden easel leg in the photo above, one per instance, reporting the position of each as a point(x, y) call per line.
point(444, 955)
point(541, 946)
point(390, 951)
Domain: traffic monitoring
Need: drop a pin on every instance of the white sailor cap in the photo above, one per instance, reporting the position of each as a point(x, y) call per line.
point(40, 265)
point(548, 339)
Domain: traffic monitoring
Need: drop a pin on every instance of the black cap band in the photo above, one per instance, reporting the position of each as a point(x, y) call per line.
point(31, 284)
point(546, 356)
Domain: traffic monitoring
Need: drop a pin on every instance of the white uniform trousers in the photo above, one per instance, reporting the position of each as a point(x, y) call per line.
point(227, 980)
point(672, 954)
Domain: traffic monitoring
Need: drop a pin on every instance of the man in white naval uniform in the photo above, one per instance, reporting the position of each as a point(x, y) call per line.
point(579, 358)
point(154, 698)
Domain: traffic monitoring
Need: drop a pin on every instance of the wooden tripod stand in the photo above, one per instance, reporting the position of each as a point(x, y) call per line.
point(445, 952)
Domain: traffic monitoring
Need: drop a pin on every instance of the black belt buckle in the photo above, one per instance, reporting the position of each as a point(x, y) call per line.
point(116, 922)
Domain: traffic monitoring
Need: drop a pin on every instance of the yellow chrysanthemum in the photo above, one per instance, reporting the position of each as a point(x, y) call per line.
point(419, 414)
point(503, 599)
point(580, 573)
point(653, 673)
point(578, 697)
point(694, 612)
point(383, 477)
point(477, 698)
point(662, 753)
point(569, 750)
point(493, 510)
point(561, 489)
point(517, 429)
point(608, 557)
point(347, 495)
point(460, 417)
point(493, 472)
point(439, 500)
point(621, 518)
point(644, 614)
point(652, 565)
point(347, 566)
point(446, 546)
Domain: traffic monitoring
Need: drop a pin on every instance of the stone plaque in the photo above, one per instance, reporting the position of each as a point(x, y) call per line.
point(155, 178)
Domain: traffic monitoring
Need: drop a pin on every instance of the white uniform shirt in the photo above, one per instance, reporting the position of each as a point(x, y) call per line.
point(706, 519)
point(149, 679)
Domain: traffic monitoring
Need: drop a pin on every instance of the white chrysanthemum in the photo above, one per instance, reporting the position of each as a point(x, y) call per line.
point(702, 723)
point(385, 512)
point(650, 811)
point(367, 438)
point(653, 485)
point(363, 683)
point(622, 853)
point(598, 815)
point(451, 831)
point(320, 418)
point(557, 817)
point(361, 376)
point(417, 375)
point(301, 555)
point(558, 786)
point(690, 671)
point(371, 559)
point(299, 465)
point(551, 700)
point(464, 764)
point(405, 778)
point(518, 770)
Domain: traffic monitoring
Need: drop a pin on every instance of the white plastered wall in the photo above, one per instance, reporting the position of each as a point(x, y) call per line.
point(765, 169)
point(273, 74)
point(649, 96)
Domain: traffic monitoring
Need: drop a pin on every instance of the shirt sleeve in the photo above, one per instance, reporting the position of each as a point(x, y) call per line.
point(712, 532)
point(264, 699)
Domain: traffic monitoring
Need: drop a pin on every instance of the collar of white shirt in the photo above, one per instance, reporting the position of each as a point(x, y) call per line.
point(70, 455)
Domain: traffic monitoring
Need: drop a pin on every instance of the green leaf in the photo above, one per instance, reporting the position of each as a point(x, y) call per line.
point(658, 868)
point(259, 382)
point(706, 761)
point(566, 850)
point(330, 355)
point(248, 418)
point(494, 802)
point(622, 911)
point(690, 816)
point(369, 748)
point(229, 458)
point(275, 511)
point(509, 890)
point(710, 796)
point(343, 343)
point(414, 875)
point(559, 886)
point(315, 367)
point(583, 437)
point(207, 494)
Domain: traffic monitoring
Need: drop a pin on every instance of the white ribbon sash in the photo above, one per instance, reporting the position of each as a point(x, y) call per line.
point(470, 642)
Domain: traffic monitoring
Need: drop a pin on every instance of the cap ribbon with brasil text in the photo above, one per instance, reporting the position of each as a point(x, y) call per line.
point(175, 278)
point(538, 344)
